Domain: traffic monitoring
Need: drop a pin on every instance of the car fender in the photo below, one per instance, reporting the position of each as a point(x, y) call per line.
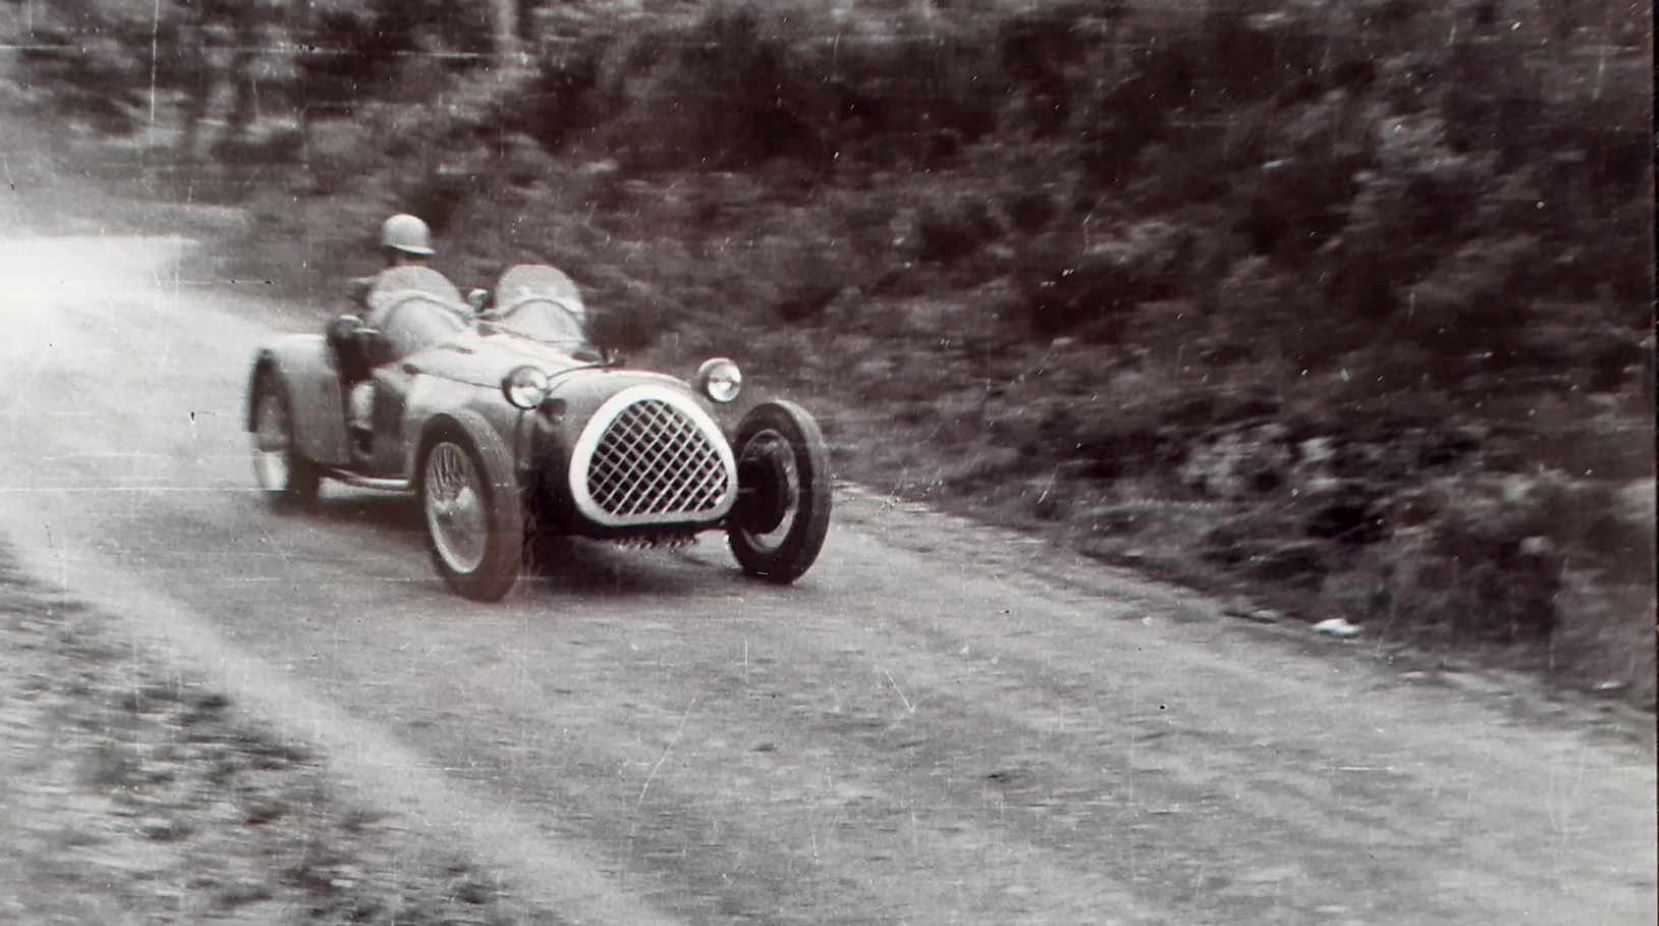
point(431, 397)
point(305, 366)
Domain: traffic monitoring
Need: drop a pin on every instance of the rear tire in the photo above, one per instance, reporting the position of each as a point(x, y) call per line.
point(288, 479)
point(474, 516)
point(782, 515)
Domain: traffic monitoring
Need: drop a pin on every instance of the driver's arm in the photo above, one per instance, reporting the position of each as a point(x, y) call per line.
point(357, 290)
point(342, 328)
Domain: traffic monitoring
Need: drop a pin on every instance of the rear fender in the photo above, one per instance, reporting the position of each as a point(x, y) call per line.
point(306, 367)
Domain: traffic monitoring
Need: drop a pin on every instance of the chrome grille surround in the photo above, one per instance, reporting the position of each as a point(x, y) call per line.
point(650, 455)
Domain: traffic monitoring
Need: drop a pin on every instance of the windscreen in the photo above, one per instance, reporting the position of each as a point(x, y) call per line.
point(538, 281)
point(418, 322)
point(539, 302)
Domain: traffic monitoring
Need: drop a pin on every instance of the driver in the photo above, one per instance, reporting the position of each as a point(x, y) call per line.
point(405, 240)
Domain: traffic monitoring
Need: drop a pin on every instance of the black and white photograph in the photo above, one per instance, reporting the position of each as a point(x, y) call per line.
point(903, 462)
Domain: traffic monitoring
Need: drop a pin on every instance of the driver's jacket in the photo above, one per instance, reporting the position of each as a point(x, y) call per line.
point(377, 295)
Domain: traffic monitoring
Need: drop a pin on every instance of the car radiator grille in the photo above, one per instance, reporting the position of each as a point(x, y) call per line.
point(654, 462)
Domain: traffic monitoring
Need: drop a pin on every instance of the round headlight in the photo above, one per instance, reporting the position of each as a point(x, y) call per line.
point(525, 387)
point(720, 380)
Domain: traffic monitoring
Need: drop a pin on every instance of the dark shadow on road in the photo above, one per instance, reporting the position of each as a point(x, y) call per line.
point(554, 566)
point(389, 511)
point(566, 565)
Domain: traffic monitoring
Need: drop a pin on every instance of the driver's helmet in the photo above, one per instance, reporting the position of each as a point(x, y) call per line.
point(407, 233)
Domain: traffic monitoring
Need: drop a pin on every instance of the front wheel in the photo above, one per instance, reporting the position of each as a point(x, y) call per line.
point(474, 520)
point(284, 474)
point(782, 515)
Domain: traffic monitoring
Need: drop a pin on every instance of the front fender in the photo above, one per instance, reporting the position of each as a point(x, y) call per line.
point(432, 397)
point(484, 435)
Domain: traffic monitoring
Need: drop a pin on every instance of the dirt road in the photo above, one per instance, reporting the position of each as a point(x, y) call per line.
point(924, 730)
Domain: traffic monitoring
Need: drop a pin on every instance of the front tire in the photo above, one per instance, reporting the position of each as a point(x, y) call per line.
point(287, 478)
point(782, 515)
point(474, 517)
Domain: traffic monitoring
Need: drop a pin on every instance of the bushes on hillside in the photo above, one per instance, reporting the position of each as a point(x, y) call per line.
point(953, 229)
point(1089, 283)
point(1489, 557)
point(745, 83)
point(1389, 202)
point(1396, 189)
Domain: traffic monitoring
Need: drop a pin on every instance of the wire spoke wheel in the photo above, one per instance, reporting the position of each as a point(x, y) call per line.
point(473, 507)
point(455, 508)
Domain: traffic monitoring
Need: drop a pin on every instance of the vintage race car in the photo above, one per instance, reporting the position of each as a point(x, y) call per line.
point(504, 421)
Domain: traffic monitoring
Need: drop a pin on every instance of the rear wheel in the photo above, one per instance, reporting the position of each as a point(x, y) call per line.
point(781, 518)
point(473, 515)
point(284, 474)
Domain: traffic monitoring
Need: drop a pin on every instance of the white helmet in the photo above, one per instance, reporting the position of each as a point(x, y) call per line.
point(408, 234)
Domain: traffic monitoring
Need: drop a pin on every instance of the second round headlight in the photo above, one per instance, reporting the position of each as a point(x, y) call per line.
point(720, 380)
point(525, 387)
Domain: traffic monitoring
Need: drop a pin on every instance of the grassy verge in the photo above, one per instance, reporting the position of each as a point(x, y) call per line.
point(133, 793)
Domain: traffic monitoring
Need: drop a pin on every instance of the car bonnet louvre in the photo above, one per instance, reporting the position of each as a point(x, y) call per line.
point(649, 456)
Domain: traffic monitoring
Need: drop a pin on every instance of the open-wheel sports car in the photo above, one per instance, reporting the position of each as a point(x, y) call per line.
point(504, 420)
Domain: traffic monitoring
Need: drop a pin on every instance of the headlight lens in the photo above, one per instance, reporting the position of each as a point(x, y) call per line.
point(525, 387)
point(720, 380)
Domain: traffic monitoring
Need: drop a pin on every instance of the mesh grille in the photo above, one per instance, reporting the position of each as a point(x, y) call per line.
point(655, 461)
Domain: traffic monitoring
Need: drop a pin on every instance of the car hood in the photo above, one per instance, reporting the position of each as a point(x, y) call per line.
point(483, 360)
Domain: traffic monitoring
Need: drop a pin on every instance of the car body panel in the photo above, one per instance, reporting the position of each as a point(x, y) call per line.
point(484, 359)
point(306, 366)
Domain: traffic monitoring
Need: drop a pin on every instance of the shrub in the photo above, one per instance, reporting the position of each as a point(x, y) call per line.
point(749, 83)
point(564, 98)
point(1478, 297)
point(953, 229)
point(1295, 199)
point(1487, 558)
point(1469, 576)
point(626, 314)
point(438, 196)
point(1247, 51)
point(1040, 50)
point(727, 92)
point(1069, 284)
point(812, 275)
point(1115, 125)
point(1030, 210)
point(1260, 301)
point(350, 55)
point(1240, 463)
